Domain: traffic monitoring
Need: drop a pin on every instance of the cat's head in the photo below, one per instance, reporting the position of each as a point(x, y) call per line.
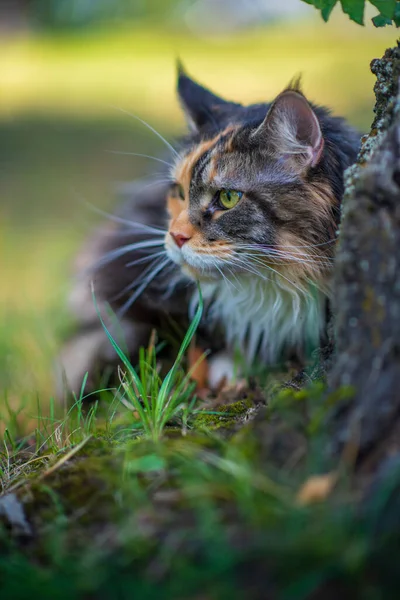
point(252, 192)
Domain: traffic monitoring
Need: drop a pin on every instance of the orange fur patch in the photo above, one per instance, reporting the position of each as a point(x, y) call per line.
point(185, 169)
point(217, 214)
point(229, 143)
point(213, 169)
point(178, 208)
point(228, 149)
point(198, 366)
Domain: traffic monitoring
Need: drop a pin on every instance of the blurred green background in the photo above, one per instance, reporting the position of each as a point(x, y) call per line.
point(67, 68)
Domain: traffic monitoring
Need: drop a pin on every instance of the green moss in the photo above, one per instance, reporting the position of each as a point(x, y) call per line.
point(288, 397)
point(80, 492)
point(227, 415)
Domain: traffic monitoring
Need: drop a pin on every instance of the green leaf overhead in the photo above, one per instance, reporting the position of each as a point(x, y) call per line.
point(326, 8)
point(386, 7)
point(396, 17)
point(355, 10)
point(389, 10)
point(380, 21)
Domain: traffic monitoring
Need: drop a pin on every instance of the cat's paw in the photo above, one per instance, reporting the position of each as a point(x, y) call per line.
point(221, 371)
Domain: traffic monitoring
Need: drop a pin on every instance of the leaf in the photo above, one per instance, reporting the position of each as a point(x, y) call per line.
point(380, 21)
point(326, 8)
point(396, 17)
point(355, 10)
point(316, 489)
point(386, 9)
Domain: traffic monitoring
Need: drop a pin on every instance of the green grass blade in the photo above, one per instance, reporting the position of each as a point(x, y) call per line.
point(117, 349)
point(168, 381)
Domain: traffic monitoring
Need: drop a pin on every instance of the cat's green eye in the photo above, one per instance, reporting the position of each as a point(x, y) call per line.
point(181, 191)
point(229, 198)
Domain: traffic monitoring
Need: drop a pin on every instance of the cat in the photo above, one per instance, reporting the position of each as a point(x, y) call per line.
point(249, 208)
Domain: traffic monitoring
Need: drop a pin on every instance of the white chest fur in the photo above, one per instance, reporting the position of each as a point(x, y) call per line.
point(264, 317)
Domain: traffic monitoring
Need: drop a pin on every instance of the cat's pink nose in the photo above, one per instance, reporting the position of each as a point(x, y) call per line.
point(179, 239)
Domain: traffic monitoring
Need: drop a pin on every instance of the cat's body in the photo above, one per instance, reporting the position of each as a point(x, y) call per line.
point(251, 213)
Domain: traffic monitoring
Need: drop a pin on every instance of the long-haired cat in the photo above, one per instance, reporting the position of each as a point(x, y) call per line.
point(249, 209)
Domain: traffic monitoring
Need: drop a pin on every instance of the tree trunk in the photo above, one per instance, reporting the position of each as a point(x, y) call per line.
point(367, 278)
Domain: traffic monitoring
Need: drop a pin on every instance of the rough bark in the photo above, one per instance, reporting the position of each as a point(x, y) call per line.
point(367, 277)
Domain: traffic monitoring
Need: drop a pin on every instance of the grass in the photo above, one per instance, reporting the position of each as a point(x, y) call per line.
point(155, 401)
point(114, 514)
point(152, 403)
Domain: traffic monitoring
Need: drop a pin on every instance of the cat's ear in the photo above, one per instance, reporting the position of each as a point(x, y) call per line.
point(292, 129)
point(201, 107)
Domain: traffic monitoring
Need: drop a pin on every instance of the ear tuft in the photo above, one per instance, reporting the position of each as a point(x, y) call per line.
point(295, 85)
point(180, 69)
point(201, 106)
point(292, 128)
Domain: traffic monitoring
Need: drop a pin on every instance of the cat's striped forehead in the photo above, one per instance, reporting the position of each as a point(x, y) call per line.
point(199, 165)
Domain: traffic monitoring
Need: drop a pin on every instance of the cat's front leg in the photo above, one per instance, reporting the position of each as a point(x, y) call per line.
point(90, 354)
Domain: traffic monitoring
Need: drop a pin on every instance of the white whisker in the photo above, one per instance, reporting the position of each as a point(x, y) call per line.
point(227, 281)
point(118, 252)
point(145, 259)
point(136, 282)
point(232, 274)
point(286, 278)
point(246, 266)
point(164, 162)
point(172, 284)
point(142, 287)
point(285, 256)
point(277, 273)
point(331, 241)
point(149, 127)
point(159, 181)
point(134, 225)
point(300, 256)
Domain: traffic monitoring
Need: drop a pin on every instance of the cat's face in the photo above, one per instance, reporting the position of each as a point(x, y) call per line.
point(248, 193)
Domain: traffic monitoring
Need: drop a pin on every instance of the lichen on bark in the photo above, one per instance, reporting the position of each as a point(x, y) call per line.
point(367, 275)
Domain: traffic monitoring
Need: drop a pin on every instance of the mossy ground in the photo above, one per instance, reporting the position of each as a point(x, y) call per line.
point(198, 514)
